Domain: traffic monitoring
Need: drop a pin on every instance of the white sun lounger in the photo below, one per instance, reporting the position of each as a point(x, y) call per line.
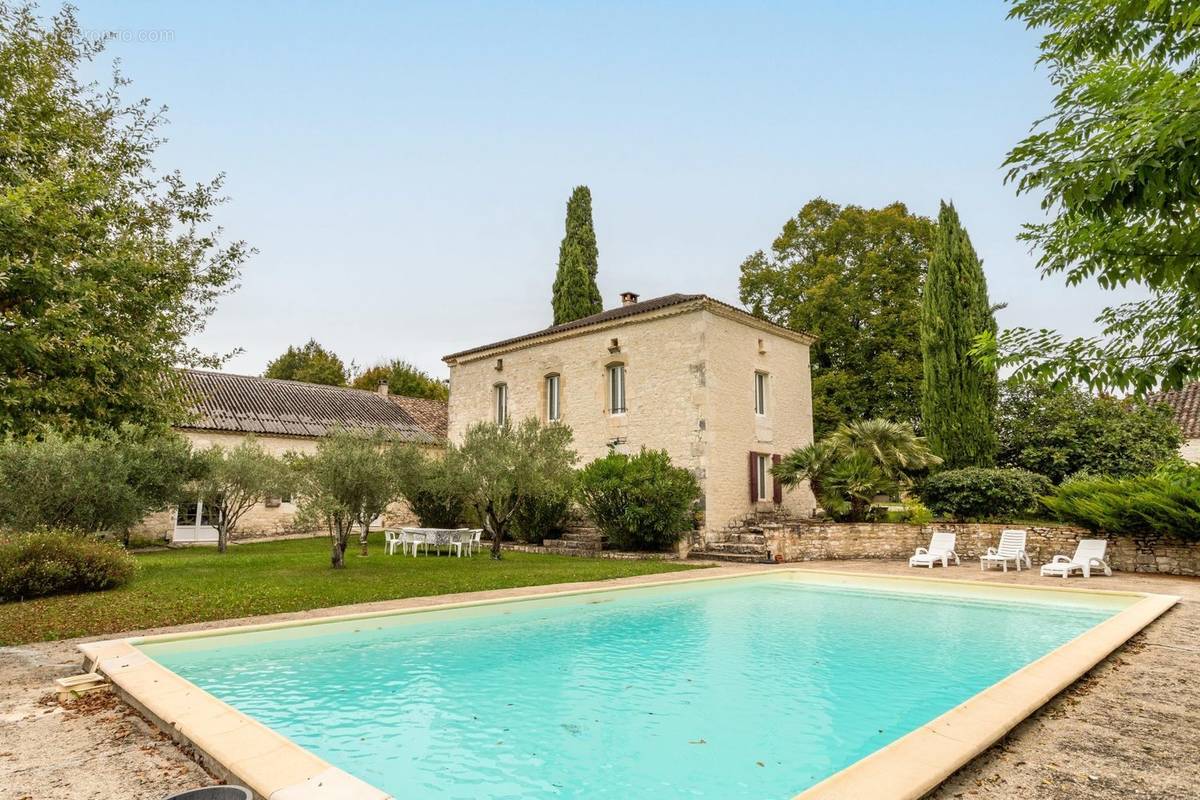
point(1012, 548)
point(941, 548)
point(1088, 555)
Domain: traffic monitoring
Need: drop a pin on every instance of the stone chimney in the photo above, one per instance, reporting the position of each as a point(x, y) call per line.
point(382, 388)
point(628, 298)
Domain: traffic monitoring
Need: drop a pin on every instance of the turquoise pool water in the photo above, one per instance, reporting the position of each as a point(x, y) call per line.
point(724, 689)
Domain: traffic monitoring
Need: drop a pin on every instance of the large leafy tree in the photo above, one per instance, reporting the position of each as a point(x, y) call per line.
point(575, 293)
point(402, 379)
point(311, 363)
point(106, 266)
point(1060, 432)
point(852, 276)
point(1117, 167)
point(958, 391)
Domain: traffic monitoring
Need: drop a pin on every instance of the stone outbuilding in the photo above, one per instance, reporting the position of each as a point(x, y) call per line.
point(725, 393)
point(283, 416)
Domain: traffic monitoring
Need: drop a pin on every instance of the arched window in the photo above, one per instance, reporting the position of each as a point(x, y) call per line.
point(616, 388)
point(553, 398)
point(501, 403)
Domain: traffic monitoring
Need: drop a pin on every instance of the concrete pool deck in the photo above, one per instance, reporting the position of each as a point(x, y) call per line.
point(1061, 761)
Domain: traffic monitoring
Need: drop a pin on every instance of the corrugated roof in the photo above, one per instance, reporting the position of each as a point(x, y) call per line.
point(221, 401)
point(619, 312)
point(1185, 403)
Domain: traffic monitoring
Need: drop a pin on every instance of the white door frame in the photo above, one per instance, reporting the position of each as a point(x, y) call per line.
point(193, 533)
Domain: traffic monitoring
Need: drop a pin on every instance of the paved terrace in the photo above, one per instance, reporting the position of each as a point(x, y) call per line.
point(1130, 728)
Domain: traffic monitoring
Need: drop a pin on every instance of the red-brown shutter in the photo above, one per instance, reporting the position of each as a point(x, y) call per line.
point(777, 489)
point(753, 477)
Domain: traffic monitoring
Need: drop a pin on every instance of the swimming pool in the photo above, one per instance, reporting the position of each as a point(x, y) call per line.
point(755, 686)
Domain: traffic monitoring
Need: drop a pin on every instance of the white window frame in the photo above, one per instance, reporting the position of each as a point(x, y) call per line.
point(762, 476)
point(616, 389)
point(500, 403)
point(553, 397)
point(760, 393)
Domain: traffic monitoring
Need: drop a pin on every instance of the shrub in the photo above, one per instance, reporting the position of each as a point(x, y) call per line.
point(543, 516)
point(432, 487)
point(55, 562)
point(913, 513)
point(976, 493)
point(1166, 502)
point(640, 502)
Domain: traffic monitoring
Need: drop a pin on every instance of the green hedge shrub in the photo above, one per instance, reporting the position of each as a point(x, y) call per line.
point(543, 516)
point(54, 562)
point(640, 502)
point(433, 487)
point(978, 493)
point(1166, 502)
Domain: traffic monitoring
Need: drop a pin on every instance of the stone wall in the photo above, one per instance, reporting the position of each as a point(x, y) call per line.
point(815, 540)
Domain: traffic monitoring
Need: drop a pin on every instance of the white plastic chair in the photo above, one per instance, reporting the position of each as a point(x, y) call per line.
point(1012, 548)
point(941, 548)
point(393, 540)
point(1088, 555)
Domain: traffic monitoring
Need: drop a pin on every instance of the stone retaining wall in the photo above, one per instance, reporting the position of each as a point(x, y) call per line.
point(817, 540)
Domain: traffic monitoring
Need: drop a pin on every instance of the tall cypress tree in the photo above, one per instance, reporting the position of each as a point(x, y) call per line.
point(958, 395)
point(575, 292)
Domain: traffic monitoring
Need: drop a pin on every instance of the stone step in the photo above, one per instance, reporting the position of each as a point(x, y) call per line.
point(747, 538)
point(583, 536)
point(568, 544)
point(723, 555)
point(737, 547)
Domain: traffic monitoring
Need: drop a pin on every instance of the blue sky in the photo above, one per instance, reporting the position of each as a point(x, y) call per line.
point(403, 168)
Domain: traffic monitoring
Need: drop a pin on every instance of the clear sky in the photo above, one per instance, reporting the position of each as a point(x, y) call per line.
point(403, 168)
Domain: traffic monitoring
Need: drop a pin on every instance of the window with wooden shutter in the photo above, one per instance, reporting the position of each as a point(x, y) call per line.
point(777, 488)
point(760, 466)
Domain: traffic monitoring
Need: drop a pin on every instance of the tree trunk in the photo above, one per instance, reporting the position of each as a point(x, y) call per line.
point(222, 537)
point(337, 558)
point(362, 537)
point(497, 529)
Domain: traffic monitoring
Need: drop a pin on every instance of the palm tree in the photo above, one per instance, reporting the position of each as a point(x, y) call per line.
point(858, 461)
point(891, 445)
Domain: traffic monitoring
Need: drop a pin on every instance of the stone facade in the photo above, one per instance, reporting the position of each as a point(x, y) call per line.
point(1190, 450)
point(816, 540)
point(690, 382)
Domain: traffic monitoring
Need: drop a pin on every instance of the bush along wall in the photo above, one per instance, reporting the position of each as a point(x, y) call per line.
point(639, 502)
point(978, 493)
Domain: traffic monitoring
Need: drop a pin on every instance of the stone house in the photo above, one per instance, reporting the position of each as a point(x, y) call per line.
point(1185, 403)
point(283, 416)
point(722, 391)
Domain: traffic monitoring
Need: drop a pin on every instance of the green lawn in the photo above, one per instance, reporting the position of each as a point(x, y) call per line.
point(198, 584)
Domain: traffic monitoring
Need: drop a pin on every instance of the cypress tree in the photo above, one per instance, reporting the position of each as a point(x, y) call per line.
point(958, 395)
point(575, 292)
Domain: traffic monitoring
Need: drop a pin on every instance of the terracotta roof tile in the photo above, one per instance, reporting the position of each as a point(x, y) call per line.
point(221, 401)
point(1185, 403)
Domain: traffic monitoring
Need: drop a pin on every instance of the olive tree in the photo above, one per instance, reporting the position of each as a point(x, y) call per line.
point(347, 482)
point(506, 466)
point(234, 480)
point(106, 483)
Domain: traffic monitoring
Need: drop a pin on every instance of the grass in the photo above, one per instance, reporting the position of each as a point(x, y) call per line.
point(198, 584)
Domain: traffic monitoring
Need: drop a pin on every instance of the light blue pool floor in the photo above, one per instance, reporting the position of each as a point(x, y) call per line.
point(738, 690)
